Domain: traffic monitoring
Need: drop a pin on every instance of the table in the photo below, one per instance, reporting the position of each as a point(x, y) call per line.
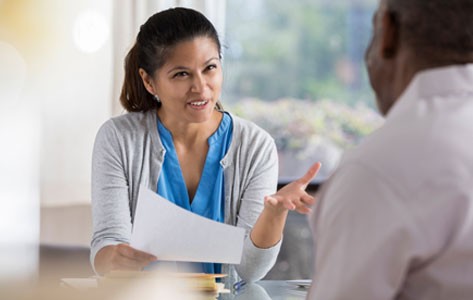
point(261, 290)
point(268, 290)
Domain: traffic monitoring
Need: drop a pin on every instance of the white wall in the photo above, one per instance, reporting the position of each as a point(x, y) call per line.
point(53, 98)
point(19, 169)
point(75, 94)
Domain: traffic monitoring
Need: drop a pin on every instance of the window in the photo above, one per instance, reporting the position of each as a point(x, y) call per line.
point(296, 69)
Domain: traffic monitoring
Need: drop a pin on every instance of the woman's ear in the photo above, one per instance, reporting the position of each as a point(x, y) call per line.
point(147, 81)
point(389, 34)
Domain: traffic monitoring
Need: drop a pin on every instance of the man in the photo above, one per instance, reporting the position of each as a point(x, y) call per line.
point(396, 219)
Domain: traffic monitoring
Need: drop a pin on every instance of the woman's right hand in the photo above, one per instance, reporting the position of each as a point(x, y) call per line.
point(121, 257)
point(293, 196)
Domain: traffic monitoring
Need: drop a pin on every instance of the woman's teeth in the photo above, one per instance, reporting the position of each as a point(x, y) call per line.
point(199, 103)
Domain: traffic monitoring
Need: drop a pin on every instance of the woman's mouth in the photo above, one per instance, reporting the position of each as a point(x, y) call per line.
point(198, 104)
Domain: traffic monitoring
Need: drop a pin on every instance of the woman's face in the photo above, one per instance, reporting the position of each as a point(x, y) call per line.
point(190, 81)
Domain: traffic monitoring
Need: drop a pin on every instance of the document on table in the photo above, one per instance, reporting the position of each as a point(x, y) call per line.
point(172, 233)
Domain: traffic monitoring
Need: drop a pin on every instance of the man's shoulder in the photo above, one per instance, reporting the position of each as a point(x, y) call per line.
point(415, 148)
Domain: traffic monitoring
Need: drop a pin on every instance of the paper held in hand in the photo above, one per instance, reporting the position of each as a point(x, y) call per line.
point(172, 233)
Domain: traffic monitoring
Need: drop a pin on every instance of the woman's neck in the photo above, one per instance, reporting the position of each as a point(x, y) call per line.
point(191, 134)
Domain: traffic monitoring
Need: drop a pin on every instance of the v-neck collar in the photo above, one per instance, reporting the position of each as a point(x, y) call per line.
point(205, 187)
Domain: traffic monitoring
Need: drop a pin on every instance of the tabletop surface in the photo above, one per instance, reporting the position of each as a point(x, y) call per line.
point(261, 290)
point(269, 290)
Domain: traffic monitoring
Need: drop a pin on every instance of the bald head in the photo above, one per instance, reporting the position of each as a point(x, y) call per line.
point(439, 30)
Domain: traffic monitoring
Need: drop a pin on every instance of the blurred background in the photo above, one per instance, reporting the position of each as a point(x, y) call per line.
point(293, 67)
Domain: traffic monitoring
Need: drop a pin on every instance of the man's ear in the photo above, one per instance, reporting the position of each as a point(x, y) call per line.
point(147, 81)
point(389, 35)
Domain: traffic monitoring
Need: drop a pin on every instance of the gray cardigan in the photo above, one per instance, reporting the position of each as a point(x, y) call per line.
point(128, 152)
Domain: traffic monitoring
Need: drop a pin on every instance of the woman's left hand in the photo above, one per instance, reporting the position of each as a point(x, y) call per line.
point(293, 195)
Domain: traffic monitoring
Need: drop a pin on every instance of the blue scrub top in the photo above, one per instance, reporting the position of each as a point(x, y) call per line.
point(209, 199)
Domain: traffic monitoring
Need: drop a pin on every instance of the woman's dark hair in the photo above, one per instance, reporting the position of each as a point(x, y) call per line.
point(154, 42)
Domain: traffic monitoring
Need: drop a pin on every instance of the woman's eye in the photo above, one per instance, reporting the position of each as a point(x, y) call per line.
point(211, 67)
point(180, 74)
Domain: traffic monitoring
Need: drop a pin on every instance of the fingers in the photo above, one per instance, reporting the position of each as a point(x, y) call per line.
point(128, 258)
point(276, 202)
point(271, 200)
point(298, 203)
point(303, 204)
point(293, 195)
point(135, 254)
point(289, 205)
point(303, 209)
point(125, 263)
point(311, 173)
point(308, 199)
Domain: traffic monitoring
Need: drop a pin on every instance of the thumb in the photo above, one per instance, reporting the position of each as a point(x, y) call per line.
point(271, 200)
point(311, 173)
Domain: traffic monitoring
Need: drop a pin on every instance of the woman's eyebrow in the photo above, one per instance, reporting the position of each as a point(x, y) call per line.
point(186, 68)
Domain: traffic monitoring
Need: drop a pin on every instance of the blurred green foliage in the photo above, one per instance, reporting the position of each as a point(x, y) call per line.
point(305, 49)
point(299, 124)
point(296, 69)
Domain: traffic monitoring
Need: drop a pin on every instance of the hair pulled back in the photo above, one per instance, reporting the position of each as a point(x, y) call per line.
point(155, 41)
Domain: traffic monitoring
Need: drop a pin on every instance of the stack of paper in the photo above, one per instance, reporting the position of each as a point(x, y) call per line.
point(202, 285)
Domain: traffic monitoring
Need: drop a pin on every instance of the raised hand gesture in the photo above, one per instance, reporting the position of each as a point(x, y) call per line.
point(293, 195)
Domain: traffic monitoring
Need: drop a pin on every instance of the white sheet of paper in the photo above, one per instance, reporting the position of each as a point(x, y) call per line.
point(172, 233)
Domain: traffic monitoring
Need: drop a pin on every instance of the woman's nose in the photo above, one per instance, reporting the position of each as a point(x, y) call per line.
point(198, 83)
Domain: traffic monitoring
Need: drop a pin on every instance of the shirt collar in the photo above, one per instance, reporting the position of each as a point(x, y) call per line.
point(222, 128)
point(442, 81)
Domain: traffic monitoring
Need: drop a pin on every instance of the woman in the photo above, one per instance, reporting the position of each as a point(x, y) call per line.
point(177, 140)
